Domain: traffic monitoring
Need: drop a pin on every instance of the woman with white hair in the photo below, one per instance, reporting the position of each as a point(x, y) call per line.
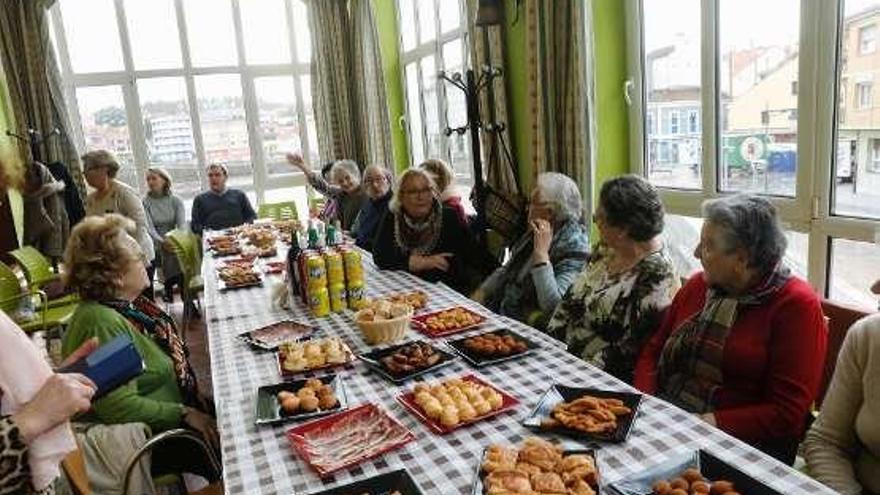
point(546, 259)
point(165, 213)
point(426, 239)
point(616, 303)
point(344, 187)
point(743, 343)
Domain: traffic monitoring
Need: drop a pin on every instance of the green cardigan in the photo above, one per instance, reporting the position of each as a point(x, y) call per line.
point(154, 397)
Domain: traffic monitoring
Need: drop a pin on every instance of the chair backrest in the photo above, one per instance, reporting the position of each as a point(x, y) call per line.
point(75, 468)
point(186, 249)
point(840, 318)
point(10, 289)
point(37, 269)
point(278, 211)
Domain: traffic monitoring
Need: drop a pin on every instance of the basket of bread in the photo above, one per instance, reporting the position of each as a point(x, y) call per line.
point(383, 321)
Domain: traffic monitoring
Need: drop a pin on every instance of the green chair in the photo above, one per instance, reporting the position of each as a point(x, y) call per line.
point(186, 247)
point(12, 294)
point(278, 211)
point(38, 272)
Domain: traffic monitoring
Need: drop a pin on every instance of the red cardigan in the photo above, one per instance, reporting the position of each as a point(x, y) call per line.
point(772, 363)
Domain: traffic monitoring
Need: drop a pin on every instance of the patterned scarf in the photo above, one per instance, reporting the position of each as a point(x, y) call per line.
point(150, 320)
point(419, 236)
point(690, 366)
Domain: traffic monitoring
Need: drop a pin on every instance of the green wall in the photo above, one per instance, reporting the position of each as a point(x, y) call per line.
point(386, 22)
point(609, 36)
point(7, 146)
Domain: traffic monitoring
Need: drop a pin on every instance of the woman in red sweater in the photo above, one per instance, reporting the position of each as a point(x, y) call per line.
point(743, 343)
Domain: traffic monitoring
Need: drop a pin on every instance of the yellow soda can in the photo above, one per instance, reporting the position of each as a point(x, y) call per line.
point(319, 301)
point(357, 297)
point(335, 268)
point(338, 302)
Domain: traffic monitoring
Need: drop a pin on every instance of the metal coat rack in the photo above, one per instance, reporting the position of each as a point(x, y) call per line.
point(35, 139)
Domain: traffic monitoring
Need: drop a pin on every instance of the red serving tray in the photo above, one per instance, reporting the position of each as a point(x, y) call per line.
point(419, 323)
point(285, 374)
point(408, 400)
point(297, 437)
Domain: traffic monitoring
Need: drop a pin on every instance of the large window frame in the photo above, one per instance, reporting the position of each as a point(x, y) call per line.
point(128, 78)
point(810, 210)
point(413, 57)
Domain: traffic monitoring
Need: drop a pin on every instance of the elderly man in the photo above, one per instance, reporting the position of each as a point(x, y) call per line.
point(220, 207)
point(377, 185)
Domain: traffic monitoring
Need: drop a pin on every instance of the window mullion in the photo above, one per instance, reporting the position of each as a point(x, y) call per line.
point(136, 134)
point(710, 96)
point(634, 88)
point(439, 64)
point(69, 87)
point(191, 97)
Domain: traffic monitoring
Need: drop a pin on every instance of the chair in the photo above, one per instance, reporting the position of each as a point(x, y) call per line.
point(164, 437)
point(11, 295)
point(278, 211)
point(840, 318)
point(38, 272)
point(75, 469)
point(186, 248)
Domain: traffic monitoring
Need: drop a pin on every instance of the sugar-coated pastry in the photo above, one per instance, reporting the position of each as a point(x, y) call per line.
point(449, 416)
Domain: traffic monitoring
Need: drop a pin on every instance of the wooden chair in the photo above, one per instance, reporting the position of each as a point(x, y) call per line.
point(74, 467)
point(840, 318)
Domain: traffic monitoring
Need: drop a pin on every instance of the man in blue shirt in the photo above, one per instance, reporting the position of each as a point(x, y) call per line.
point(220, 207)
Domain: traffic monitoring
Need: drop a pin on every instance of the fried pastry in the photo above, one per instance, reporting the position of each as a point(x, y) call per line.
point(547, 483)
point(540, 453)
point(499, 458)
point(502, 482)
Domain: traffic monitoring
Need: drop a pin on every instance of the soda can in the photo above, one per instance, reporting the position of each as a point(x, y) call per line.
point(317, 271)
point(338, 302)
point(319, 301)
point(352, 261)
point(335, 268)
point(357, 297)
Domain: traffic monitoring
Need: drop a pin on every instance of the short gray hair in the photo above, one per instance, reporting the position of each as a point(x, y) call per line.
point(101, 159)
point(348, 166)
point(748, 222)
point(562, 192)
point(394, 204)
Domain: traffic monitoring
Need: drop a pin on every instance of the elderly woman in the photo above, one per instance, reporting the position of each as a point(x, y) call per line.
point(111, 196)
point(426, 239)
point(105, 266)
point(743, 343)
point(344, 187)
point(616, 303)
point(164, 213)
point(545, 260)
point(842, 447)
point(444, 178)
point(377, 184)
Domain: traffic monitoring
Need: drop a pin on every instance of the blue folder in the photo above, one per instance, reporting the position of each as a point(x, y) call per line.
point(109, 366)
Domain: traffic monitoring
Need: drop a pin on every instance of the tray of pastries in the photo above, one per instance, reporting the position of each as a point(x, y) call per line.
point(403, 362)
point(586, 413)
point(312, 355)
point(300, 399)
point(237, 276)
point(448, 321)
point(493, 347)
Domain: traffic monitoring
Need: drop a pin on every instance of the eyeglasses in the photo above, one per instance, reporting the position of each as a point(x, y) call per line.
point(374, 180)
point(417, 192)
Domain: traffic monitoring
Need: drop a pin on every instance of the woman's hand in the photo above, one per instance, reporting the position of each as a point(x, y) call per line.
point(297, 161)
point(709, 418)
point(204, 424)
point(82, 351)
point(62, 396)
point(419, 263)
point(543, 236)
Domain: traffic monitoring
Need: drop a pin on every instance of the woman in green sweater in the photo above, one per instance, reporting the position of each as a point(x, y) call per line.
point(105, 266)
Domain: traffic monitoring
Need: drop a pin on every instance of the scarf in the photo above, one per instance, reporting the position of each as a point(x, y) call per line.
point(419, 236)
point(150, 320)
point(690, 367)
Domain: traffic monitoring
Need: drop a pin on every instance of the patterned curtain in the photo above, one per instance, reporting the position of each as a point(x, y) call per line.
point(348, 89)
point(560, 101)
point(35, 90)
point(486, 48)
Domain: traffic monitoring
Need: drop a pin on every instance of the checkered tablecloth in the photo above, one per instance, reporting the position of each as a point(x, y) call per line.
point(260, 460)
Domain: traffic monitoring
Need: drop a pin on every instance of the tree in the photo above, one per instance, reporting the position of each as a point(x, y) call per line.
point(111, 116)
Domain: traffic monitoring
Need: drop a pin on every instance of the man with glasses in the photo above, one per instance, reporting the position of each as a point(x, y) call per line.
point(377, 185)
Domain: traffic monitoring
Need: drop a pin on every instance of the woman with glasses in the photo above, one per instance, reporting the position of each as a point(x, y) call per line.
point(426, 239)
point(616, 303)
point(546, 259)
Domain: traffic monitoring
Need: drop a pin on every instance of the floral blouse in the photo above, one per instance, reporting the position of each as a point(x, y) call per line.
point(606, 318)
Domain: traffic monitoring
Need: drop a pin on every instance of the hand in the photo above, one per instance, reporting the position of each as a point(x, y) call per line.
point(479, 296)
point(62, 396)
point(709, 418)
point(419, 263)
point(82, 351)
point(543, 235)
point(297, 161)
point(204, 424)
point(168, 246)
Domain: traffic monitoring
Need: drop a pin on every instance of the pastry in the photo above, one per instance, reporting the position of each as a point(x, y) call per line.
point(547, 483)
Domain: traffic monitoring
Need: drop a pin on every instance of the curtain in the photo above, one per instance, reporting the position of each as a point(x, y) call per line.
point(486, 48)
point(36, 96)
point(348, 88)
point(558, 58)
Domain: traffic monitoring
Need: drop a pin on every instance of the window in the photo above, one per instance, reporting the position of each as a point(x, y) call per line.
point(693, 122)
point(868, 39)
point(433, 38)
point(813, 149)
point(673, 122)
point(864, 97)
point(160, 82)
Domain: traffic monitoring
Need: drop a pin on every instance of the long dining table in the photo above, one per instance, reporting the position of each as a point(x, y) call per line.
point(259, 459)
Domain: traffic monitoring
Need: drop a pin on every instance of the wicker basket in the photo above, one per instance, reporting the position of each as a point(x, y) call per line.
point(384, 331)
